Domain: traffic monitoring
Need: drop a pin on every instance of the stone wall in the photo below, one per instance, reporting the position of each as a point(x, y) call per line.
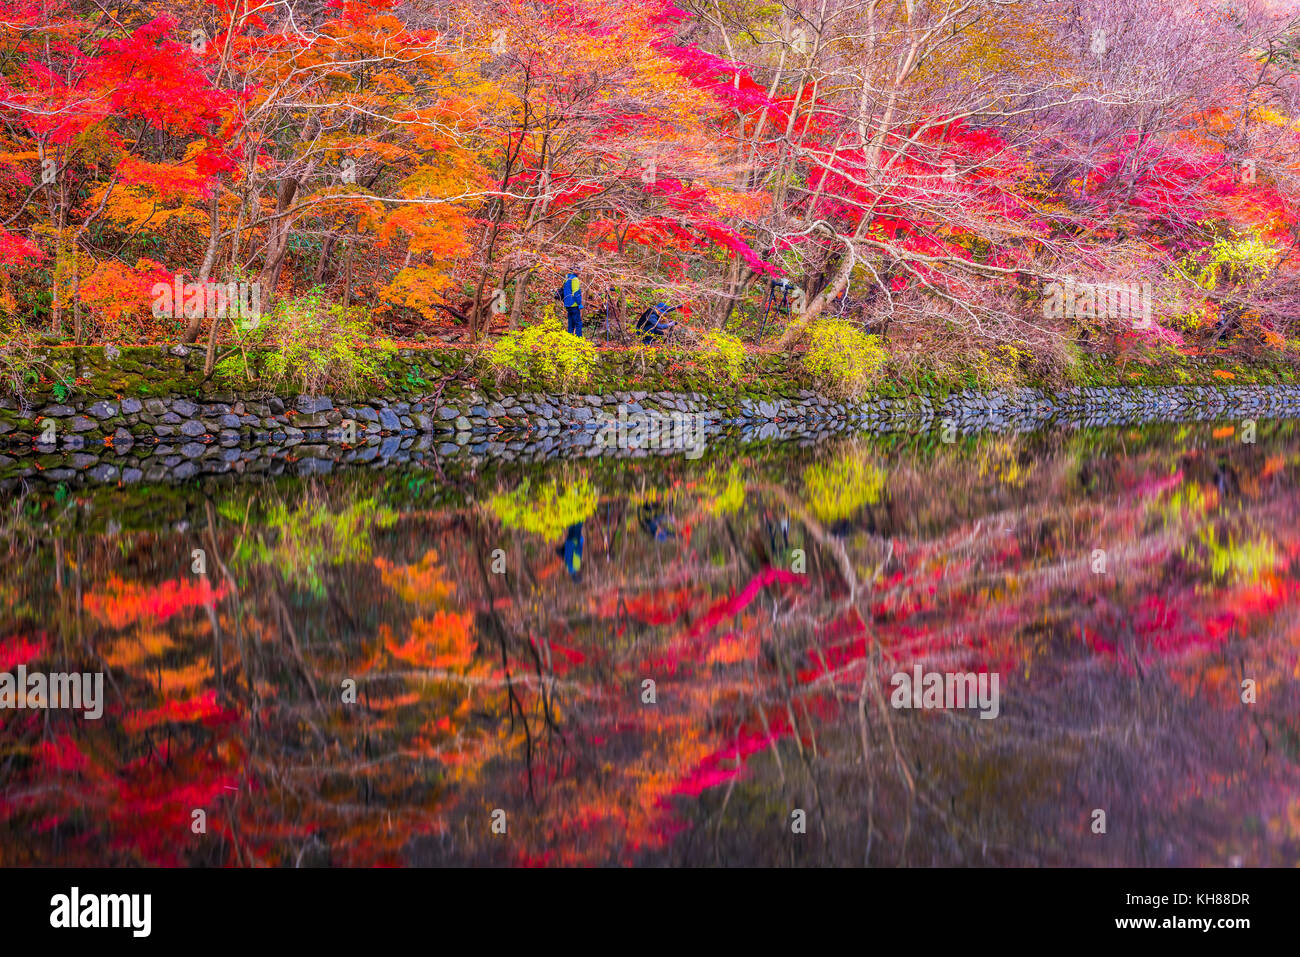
point(175, 439)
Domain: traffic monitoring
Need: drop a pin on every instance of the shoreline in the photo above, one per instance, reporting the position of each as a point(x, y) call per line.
point(175, 440)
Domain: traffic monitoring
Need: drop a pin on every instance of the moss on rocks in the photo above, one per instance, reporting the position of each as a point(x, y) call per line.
point(91, 372)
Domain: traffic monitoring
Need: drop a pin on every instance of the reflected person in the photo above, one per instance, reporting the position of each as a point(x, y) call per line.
point(653, 523)
point(571, 551)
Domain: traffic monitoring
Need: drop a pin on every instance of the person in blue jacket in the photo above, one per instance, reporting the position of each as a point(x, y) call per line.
point(651, 324)
point(570, 294)
point(653, 523)
point(571, 551)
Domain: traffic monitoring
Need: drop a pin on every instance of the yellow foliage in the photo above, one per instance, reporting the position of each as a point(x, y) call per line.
point(131, 651)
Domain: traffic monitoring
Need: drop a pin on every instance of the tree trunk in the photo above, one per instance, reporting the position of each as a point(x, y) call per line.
point(195, 325)
point(210, 358)
point(325, 248)
point(56, 310)
point(277, 244)
point(837, 285)
point(76, 302)
point(521, 292)
point(347, 281)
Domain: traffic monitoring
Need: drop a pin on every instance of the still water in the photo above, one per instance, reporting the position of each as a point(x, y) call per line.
point(667, 662)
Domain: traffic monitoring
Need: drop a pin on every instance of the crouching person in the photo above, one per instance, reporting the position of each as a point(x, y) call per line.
point(651, 325)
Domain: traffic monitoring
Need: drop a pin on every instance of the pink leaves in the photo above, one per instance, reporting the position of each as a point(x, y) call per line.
point(19, 651)
point(61, 754)
point(722, 765)
point(728, 82)
point(16, 250)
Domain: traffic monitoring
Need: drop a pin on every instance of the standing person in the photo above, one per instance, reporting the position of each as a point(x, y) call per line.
point(570, 294)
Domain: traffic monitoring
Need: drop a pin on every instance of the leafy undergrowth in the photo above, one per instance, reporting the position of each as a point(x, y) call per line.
point(63, 374)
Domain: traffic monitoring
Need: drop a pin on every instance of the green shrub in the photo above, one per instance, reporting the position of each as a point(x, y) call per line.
point(838, 489)
point(548, 511)
point(998, 367)
point(720, 499)
point(544, 356)
point(313, 346)
point(1239, 259)
point(303, 542)
point(722, 358)
point(20, 368)
point(1228, 558)
point(843, 357)
point(22, 364)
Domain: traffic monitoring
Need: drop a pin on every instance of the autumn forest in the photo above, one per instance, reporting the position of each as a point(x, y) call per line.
point(925, 170)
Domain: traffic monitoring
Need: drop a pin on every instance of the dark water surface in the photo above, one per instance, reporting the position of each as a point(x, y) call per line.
point(500, 631)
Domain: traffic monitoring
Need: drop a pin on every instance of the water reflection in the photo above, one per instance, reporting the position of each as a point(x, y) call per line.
point(571, 550)
point(664, 661)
